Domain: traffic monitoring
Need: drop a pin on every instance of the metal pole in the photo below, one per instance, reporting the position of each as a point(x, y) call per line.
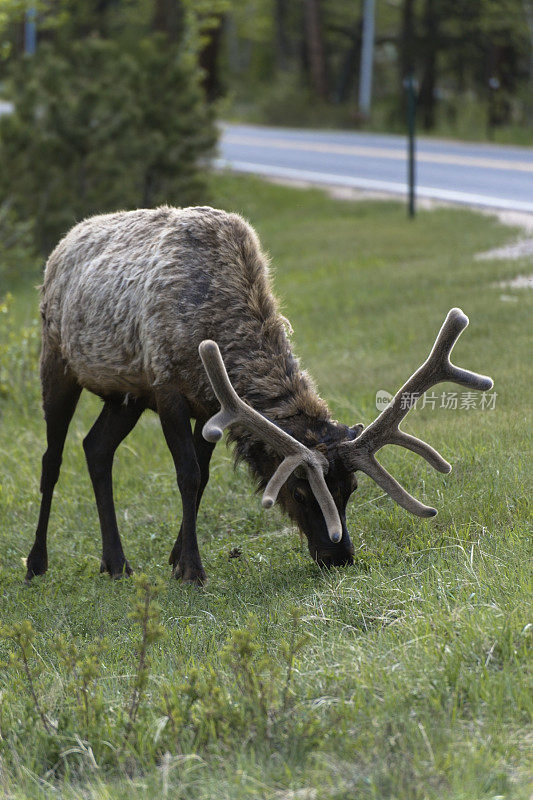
point(30, 32)
point(410, 85)
point(367, 58)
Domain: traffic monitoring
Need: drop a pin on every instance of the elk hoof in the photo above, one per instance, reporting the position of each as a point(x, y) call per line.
point(116, 569)
point(190, 574)
point(36, 564)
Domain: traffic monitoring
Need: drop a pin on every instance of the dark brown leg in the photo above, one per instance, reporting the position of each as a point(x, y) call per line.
point(204, 451)
point(112, 426)
point(174, 413)
point(61, 393)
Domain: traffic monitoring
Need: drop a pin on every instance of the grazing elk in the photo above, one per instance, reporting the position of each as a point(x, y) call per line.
point(128, 301)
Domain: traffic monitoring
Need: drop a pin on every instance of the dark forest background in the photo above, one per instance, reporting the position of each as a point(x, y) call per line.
point(117, 105)
point(297, 61)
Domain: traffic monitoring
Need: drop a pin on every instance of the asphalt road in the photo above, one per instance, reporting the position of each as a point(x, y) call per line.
point(493, 176)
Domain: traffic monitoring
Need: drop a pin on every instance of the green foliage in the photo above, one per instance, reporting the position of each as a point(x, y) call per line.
point(244, 697)
point(18, 248)
point(10, 11)
point(22, 635)
point(83, 708)
point(101, 124)
point(453, 48)
point(100, 129)
point(79, 731)
point(146, 613)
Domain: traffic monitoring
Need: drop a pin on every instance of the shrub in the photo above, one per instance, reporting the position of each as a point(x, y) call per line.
point(18, 256)
point(79, 726)
point(97, 126)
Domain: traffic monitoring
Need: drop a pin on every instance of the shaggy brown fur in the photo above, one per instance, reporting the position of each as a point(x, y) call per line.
point(128, 297)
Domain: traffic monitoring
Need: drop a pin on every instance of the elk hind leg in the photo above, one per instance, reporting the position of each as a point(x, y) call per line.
point(116, 420)
point(61, 393)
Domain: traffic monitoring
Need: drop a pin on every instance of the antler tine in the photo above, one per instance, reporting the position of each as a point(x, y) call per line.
point(454, 324)
point(359, 453)
point(234, 410)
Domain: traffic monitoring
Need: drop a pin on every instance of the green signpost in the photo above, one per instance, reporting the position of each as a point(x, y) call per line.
point(410, 85)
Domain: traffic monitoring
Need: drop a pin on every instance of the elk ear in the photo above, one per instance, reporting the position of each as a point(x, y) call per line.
point(355, 430)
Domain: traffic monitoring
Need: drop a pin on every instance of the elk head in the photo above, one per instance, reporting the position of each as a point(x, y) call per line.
point(316, 487)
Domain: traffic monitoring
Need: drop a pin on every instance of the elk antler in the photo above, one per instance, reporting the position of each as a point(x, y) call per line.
point(358, 454)
point(294, 453)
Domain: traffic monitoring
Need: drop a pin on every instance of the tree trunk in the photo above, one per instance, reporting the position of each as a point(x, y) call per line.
point(168, 18)
point(528, 13)
point(406, 60)
point(406, 55)
point(426, 99)
point(316, 54)
point(208, 60)
point(349, 67)
point(282, 40)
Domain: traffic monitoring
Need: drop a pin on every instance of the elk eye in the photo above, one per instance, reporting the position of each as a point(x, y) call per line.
point(299, 496)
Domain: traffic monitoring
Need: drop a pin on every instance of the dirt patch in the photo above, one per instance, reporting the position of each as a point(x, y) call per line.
point(520, 282)
point(523, 248)
point(516, 219)
point(520, 248)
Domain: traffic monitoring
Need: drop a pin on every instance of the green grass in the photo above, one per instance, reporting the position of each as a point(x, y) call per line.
point(414, 679)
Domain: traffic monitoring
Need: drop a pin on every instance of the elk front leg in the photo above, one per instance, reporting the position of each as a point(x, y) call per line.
point(112, 426)
point(174, 413)
point(204, 451)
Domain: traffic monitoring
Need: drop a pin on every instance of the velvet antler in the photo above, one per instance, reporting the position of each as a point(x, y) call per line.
point(294, 453)
point(358, 454)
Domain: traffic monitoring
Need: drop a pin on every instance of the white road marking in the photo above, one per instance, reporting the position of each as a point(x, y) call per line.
point(393, 187)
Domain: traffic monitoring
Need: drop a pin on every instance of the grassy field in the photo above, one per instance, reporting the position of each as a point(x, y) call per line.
point(406, 676)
